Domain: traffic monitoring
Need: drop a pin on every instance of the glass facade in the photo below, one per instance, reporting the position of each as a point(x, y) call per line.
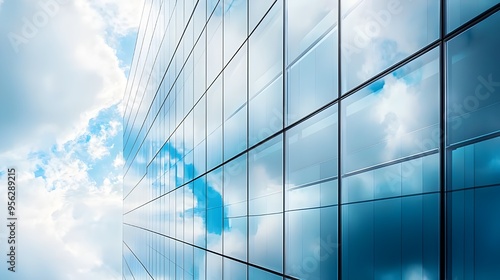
point(320, 139)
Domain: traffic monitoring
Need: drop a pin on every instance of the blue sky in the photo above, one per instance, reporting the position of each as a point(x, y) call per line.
point(64, 66)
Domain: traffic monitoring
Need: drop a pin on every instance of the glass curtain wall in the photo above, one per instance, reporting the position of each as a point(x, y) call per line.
point(320, 139)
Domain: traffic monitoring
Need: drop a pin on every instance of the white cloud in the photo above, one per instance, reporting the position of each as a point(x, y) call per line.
point(119, 161)
point(62, 77)
point(121, 16)
point(97, 146)
point(67, 223)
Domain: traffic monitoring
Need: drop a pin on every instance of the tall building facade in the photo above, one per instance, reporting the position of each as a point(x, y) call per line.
point(318, 139)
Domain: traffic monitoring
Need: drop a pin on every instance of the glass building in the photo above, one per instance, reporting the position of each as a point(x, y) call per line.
point(318, 139)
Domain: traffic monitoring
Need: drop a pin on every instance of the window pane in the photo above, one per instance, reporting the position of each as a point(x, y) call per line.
point(255, 273)
point(266, 112)
point(234, 270)
point(214, 223)
point(400, 113)
point(473, 102)
point(235, 238)
point(374, 234)
point(265, 167)
point(321, 16)
point(235, 26)
point(473, 235)
point(235, 133)
point(312, 79)
point(200, 194)
point(265, 76)
point(214, 266)
point(235, 84)
point(214, 106)
point(257, 10)
point(266, 51)
point(235, 187)
point(199, 68)
point(459, 12)
point(214, 148)
point(266, 241)
point(375, 35)
point(214, 45)
point(476, 165)
point(311, 173)
point(415, 176)
point(311, 243)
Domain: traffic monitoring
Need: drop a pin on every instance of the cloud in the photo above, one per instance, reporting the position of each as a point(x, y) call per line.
point(60, 78)
point(59, 105)
point(97, 144)
point(67, 223)
point(121, 16)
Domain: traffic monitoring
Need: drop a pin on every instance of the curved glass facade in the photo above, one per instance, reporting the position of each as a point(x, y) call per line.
point(322, 139)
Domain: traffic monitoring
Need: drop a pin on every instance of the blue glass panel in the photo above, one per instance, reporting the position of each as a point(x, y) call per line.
point(235, 237)
point(391, 239)
point(214, 266)
point(214, 44)
point(199, 68)
point(235, 133)
point(266, 51)
point(188, 261)
point(459, 12)
point(235, 26)
point(259, 274)
point(307, 167)
point(200, 196)
point(199, 264)
point(476, 165)
point(214, 106)
point(235, 83)
point(265, 243)
point(460, 235)
point(302, 34)
point(265, 165)
point(399, 112)
point(357, 241)
point(311, 243)
point(234, 270)
point(311, 56)
point(257, 10)
point(266, 112)
point(473, 102)
point(374, 35)
point(487, 162)
point(235, 187)
point(214, 148)
point(486, 233)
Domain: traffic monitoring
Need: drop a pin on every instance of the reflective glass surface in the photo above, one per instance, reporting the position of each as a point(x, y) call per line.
point(473, 82)
point(394, 239)
point(265, 179)
point(244, 161)
point(459, 11)
point(265, 76)
point(311, 56)
point(400, 112)
point(374, 35)
point(311, 174)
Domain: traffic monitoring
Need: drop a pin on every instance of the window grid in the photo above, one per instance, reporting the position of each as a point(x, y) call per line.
point(147, 203)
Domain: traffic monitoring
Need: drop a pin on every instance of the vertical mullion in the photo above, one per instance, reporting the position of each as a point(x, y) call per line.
point(284, 114)
point(442, 144)
point(339, 142)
